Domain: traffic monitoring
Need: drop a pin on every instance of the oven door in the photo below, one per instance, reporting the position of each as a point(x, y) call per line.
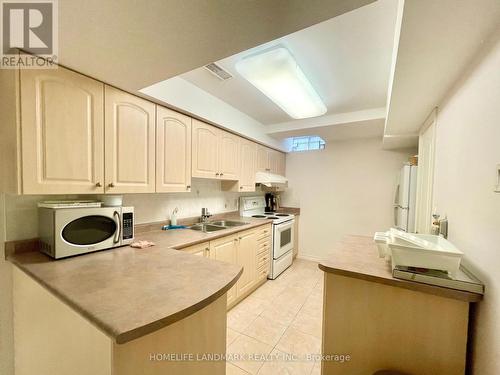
point(83, 230)
point(282, 238)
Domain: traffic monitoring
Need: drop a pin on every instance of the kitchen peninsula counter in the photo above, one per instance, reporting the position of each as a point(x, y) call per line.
point(386, 323)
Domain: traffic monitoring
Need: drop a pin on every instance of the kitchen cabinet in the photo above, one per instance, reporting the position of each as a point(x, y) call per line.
point(263, 159)
point(229, 156)
point(62, 132)
point(247, 170)
point(248, 165)
point(224, 249)
point(269, 160)
point(246, 251)
point(173, 151)
point(66, 133)
point(205, 156)
point(129, 143)
point(215, 152)
point(201, 249)
point(281, 167)
point(250, 249)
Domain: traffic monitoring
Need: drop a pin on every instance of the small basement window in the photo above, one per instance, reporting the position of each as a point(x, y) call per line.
point(308, 143)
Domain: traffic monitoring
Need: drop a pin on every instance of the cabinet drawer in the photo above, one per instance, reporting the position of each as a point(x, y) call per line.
point(263, 260)
point(262, 272)
point(264, 248)
point(264, 232)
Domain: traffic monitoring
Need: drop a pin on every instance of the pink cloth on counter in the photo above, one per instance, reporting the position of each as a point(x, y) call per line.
point(142, 244)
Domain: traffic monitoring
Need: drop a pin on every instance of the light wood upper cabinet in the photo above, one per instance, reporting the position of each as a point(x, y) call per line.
point(61, 132)
point(263, 159)
point(229, 156)
point(224, 249)
point(246, 257)
point(216, 153)
point(281, 163)
point(173, 151)
point(277, 162)
point(269, 160)
point(129, 143)
point(205, 150)
point(248, 163)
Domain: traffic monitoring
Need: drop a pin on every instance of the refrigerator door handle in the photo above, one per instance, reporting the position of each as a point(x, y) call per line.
point(396, 208)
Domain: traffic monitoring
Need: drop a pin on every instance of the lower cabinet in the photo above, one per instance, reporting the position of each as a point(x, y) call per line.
point(224, 249)
point(202, 249)
point(250, 249)
point(246, 250)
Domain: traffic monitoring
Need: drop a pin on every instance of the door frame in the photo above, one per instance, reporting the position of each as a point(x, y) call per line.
point(425, 177)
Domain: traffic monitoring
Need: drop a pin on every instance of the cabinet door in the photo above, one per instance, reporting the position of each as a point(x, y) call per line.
point(224, 250)
point(61, 132)
point(246, 257)
point(173, 151)
point(229, 156)
point(130, 143)
point(282, 163)
point(202, 249)
point(205, 150)
point(263, 159)
point(248, 163)
point(274, 161)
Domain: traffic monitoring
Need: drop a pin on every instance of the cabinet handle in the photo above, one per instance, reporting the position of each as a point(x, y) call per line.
point(98, 184)
point(241, 187)
point(188, 187)
point(222, 174)
point(111, 185)
point(217, 174)
point(235, 240)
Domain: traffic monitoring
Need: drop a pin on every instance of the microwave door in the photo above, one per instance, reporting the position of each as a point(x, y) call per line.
point(87, 229)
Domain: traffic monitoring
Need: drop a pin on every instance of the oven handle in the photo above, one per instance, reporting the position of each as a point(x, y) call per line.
point(116, 239)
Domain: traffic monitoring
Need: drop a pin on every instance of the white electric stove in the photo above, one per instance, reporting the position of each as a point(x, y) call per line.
point(282, 234)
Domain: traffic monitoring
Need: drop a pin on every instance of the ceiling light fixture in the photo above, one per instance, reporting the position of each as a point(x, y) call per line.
point(278, 76)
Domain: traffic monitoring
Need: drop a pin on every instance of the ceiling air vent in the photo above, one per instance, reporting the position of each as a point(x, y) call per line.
point(217, 71)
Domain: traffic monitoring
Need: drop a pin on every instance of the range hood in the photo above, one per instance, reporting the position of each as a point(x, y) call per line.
point(271, 180)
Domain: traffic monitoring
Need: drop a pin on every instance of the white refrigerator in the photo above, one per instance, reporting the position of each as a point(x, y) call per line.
point(405, 199)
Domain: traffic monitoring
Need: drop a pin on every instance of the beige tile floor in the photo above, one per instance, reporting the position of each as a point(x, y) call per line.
point(280, 319)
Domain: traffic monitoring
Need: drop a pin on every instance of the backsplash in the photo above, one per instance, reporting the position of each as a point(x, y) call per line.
point(22, 214)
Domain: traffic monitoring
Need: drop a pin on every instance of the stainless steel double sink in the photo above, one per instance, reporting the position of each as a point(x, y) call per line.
point(213, 226)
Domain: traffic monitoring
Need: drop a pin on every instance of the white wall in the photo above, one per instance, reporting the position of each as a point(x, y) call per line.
point(467, 152)
point(345, 189)
point(6, 334)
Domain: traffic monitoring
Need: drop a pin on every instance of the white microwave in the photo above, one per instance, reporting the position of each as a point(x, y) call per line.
point(71, 231)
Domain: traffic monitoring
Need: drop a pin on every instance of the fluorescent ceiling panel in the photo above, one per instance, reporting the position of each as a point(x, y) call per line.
point(278, 76)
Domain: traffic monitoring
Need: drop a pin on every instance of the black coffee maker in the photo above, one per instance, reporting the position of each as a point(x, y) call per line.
point(270, 202)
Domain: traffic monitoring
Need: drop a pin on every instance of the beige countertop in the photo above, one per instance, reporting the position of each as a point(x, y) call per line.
point(127, 292)
point(357, 257)
point(289, 210)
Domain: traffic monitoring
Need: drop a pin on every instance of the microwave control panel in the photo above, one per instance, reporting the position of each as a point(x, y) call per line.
point(128, 225)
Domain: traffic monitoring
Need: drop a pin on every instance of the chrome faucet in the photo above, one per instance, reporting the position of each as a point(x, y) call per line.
point(205, 214)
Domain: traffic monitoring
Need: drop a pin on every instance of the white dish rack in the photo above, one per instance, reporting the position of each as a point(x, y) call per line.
point(418, 250)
